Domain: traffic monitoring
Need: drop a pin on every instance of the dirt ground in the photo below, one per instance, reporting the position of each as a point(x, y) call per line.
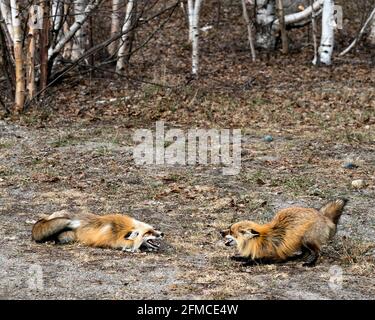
point(89, 167)
point(73, 151)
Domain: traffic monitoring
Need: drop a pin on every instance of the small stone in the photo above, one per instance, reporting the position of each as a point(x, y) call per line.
point(349, 165)
point(358, 184)
point(268, 138)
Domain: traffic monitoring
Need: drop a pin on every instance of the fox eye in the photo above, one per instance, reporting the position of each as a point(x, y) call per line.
point(128, 235)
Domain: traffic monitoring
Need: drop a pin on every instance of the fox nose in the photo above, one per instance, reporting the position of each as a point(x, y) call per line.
point(161, 235)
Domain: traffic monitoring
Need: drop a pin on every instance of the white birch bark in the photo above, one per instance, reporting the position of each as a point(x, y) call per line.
point(30, 59)
point(195, 37)
point(57, 14)
point(370, 19)
point(7, 16)
point(125, 30)
point(80, 36)
point(190, 18)
point(265, 16)
point(327, 39)
point(371, 37)
point(314, 33)
point(115, 24)
point(75, 26)
point(18, 56)
point(300, 16)
point(67, 52)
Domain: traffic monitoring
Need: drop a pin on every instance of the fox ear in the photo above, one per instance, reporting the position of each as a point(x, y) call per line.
point(131, 235)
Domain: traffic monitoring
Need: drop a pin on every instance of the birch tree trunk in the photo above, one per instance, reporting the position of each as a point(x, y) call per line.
point(81, 34)
point(44, 44)
point(190, 18)
point(75, 27)
point(18, 56)
point(115, 24)
point(314, 33)
point(120, 65)
point(7, 16)
point(30, 59)
point(249, 29)
point(371, 37)
point(265, 15)
point(67, 52)
point(281, 16)
point(327, 39)
point(370, 19)
point(56, 15)
point(195, 38)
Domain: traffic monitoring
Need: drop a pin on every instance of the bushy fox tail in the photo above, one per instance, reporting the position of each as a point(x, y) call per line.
point(49, 229)
point(333, 209)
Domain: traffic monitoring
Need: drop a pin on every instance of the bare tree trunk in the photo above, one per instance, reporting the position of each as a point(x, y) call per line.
point(57, 18)
point(327, 39)
point(372, 32)
point(249, 26)
point(314, 33)
point(80, 36)
point(30, 59)
point(7, 64)
point(5, 11)
point(67, 52)
point(190, 18)
point(195, 38)
point(125, 29)
point(265, 16)
point(281, 16)
point(75, 27)
point(44, 44)
point(370, 19)
point(115, 24)
point(18, 56)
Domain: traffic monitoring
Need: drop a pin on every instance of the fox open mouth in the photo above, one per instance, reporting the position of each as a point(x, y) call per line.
point(152, 244)
point(229, 242)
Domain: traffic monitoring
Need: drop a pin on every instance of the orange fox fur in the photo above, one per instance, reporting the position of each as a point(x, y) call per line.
point(110, 231)
point(291, 230)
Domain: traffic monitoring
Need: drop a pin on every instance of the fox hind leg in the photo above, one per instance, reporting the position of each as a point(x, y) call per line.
point(313, 254)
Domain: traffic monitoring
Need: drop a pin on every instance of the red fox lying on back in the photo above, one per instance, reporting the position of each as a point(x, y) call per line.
point(291, 230)
point(110, 231)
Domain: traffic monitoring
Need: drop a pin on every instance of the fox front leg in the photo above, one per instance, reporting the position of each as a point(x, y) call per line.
point(132, 250)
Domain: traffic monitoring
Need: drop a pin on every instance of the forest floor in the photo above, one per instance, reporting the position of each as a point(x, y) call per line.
point(74, 152)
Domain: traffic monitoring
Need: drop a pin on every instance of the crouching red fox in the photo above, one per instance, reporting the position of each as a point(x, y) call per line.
point(292, 230)
point(115, 231)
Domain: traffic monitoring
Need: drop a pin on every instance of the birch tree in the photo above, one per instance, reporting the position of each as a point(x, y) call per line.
point(57, 12)
point(81, 33)
point(371, 19)
point(327, 38)
point(7, 16)
point(18, 56)
point(115, 24)
point(30, 59)
point(125, 30)
point(194, 7)
point(372, 32)
point(92, 5)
